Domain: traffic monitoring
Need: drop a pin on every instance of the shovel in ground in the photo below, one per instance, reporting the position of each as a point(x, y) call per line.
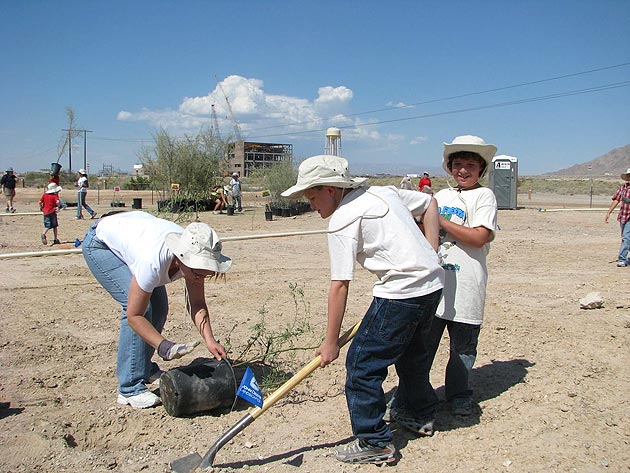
point(193, 461)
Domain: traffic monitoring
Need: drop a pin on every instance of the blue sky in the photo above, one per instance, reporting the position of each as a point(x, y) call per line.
point(399, 78)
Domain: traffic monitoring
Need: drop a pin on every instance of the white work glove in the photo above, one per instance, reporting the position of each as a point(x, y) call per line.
point(171, 351)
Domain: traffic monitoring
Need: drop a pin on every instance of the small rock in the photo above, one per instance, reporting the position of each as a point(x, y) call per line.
point(593, 300)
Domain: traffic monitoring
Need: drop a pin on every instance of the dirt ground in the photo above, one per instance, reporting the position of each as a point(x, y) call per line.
point(551, 379)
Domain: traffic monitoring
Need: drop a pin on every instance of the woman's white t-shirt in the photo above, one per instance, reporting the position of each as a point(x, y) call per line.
point(139, 240)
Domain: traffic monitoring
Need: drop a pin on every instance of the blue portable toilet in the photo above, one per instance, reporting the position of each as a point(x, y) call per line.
point(504, 181)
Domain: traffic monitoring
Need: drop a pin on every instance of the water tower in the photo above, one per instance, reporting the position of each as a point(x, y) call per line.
point(333, 142)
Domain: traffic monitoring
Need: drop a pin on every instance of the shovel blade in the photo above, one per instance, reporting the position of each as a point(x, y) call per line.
point(186, 464)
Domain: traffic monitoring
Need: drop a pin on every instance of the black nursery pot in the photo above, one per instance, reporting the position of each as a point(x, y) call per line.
point(203, 385)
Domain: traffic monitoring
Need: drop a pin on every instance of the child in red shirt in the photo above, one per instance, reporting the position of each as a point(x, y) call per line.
point(48, 204)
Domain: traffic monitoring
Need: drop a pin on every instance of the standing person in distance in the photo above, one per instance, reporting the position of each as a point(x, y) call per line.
point(468, 222)
point(8, 182)
point(83, 185)
point(235, 184)
point(375, 226)
point(622, 196)
point(49, 203)
point(133, 255)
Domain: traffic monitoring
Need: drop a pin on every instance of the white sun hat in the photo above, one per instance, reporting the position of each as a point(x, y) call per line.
point(53, 188)
point(199, 247)
point(323, 170)
point(82, 171)
point(626, 175)
point(470, 143)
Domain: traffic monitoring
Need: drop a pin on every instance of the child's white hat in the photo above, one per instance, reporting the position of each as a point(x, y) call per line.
point(53, 188)
point(323, 170)
point(470, 143)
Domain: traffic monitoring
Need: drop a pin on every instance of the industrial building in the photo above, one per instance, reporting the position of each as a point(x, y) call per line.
point(245, 156)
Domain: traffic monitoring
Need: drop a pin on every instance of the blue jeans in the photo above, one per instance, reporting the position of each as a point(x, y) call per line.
point(625, 242)
point(236, 202)
point(391, 333)
point(462, 354)
point(82, 203)
point(134, 364)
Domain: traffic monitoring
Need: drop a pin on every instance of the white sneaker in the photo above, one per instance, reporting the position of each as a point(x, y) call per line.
point(140, 401)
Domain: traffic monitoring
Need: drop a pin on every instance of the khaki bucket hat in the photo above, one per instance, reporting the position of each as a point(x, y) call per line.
point(323, 170)
point(199, 247)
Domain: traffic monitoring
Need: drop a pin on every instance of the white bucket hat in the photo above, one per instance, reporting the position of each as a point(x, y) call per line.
point(323, 170)
point(626, 175)
point(53, 188)
point(470, 143)
point(82, 171)
point(199, 247)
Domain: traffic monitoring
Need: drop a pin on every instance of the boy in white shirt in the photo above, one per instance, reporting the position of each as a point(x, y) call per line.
point(375, 227)
point(468, 221)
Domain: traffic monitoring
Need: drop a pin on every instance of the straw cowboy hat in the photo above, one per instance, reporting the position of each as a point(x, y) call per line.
point(199, 247)
point(53, 188)
point(323, 170)
point(472, 144)
point(626, 175)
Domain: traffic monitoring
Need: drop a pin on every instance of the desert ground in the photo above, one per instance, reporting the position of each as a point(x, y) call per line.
point(551, 379)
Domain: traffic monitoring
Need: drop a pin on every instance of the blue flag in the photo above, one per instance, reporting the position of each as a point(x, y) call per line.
point(249, 389)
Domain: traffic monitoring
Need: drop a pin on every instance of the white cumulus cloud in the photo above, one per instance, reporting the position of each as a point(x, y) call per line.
point(258, 113)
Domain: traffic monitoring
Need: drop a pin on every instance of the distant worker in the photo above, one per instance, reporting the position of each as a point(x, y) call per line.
point(425, 181)
point(82, 189)
point(622, 195)
point(8, 182)
point(218, 197)
point(235, 185)
point(406, 183)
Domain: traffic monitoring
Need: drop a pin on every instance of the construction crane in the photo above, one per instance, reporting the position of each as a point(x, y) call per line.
point(237, 130)
point(215, 124)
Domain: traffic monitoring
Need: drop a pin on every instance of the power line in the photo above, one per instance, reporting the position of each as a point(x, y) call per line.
point(442, 99)
point(453, 97)
point(464, 110)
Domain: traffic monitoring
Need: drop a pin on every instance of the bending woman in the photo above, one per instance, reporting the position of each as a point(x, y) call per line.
point(133, 255)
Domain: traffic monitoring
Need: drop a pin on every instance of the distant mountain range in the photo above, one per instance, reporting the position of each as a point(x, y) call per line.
point(614, 163)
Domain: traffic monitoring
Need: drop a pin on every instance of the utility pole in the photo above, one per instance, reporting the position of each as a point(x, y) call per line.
point(85, 132)
point(70, 132)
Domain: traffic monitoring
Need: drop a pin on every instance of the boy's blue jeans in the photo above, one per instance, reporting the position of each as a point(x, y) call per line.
point(134, 364)
point(391, 333)
point(625, 242)
point(462, 354)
